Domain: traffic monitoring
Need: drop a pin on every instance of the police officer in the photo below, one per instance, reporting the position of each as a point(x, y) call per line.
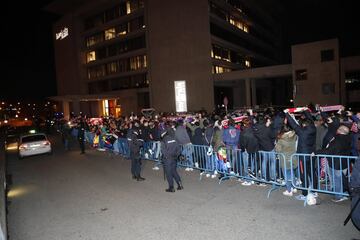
point(81, 135)
point(170, 149)
point(135, 144)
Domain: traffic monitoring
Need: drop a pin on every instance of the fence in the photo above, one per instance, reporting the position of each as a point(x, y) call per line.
point(316, 173)
point(322, 173)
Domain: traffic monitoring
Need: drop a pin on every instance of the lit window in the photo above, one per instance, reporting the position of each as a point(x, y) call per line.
point(145, 61)
point(247, 63)
point(238, 24)
point(112, 67)
point(220, 69)
point(90, 56)
point(106, 107)
point(246, 28)
point(138, 62)
point(128, 7)
point(110, 33)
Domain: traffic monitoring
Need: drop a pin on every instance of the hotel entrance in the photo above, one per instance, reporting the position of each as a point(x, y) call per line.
point(111, 108)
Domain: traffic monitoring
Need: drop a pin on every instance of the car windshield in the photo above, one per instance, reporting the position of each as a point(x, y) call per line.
point(33, 138)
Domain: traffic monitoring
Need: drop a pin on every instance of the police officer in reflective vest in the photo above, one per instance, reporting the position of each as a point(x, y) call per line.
point(135, 144)
point(170, 150)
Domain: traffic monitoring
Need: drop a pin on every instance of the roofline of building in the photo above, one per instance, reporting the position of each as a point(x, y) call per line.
point(256, 73)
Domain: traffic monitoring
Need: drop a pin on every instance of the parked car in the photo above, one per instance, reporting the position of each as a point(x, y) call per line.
point(34, 144)
point(12, 134)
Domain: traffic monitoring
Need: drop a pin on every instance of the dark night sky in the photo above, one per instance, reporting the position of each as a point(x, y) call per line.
point(29, 61)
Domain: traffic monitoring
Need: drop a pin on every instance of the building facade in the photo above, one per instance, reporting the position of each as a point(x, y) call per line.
point(117, 57)
point(321, 75)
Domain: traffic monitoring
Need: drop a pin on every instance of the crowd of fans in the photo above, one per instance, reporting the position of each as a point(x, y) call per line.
point(254, 132)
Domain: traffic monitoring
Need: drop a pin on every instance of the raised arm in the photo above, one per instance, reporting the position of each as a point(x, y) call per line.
point(293, 124)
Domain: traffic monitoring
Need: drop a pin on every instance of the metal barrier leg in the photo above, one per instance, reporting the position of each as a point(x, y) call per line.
point(273, 188)
point(225, 177)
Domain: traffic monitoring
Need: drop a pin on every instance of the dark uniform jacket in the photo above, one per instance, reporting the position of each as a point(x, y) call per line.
point(135, 142)
point(170, 148)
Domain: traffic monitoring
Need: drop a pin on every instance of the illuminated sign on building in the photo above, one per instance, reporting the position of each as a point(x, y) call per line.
point(62, 34)
point(180, 96)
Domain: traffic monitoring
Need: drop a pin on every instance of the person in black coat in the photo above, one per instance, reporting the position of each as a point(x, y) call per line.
point(339, 145)
point(135, 144)
point(171, 150)
point(306, 132)
point(266, 139)
point(249, 147)
point(332, 124)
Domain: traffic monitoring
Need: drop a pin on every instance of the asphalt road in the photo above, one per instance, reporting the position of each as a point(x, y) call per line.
point(68, 196)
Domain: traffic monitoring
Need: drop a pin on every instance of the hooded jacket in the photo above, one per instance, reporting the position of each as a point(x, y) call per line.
point(248, 141)
point(265, 137)
point(286, 145)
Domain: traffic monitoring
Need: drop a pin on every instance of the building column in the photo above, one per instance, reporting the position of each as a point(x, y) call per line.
point(253, 92)
point(248, 92)
point(66, 109)
point(76, 107)
point(236, 97)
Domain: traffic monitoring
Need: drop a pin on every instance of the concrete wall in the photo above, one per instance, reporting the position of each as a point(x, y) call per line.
point(349, 64)
point(179, 49)
point(67, 58)
point(308, 56)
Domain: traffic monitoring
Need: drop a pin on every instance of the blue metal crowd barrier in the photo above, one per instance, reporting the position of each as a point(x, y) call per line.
point(327, 174)
point(261, 167)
